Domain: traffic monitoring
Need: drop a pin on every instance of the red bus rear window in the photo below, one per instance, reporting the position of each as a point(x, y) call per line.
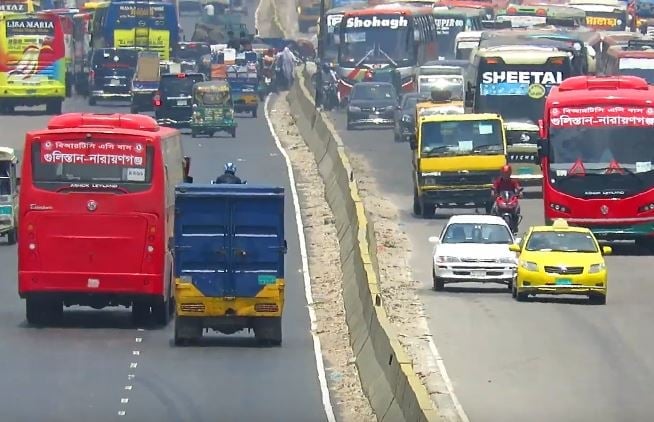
point(77, 163)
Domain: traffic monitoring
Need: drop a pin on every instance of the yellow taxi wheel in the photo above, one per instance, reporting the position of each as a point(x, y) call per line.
point(518, 295)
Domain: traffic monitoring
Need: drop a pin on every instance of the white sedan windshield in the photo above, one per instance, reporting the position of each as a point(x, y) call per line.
point(477, 233)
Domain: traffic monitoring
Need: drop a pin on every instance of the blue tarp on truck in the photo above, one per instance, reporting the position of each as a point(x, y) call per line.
point(229, 251)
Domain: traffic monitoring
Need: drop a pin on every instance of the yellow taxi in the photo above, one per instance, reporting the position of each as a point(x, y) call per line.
point(560, 260)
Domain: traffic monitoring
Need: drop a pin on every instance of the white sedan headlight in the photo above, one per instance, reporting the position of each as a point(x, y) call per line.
point(529, 266)
point(444, 259)
point(595, 268)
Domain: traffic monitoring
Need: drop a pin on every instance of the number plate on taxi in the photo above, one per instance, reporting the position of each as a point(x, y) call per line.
point(563, 281)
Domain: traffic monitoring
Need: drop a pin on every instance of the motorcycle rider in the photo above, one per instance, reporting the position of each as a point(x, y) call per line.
point(229, 177)
point(327, 76)
point(504, 183)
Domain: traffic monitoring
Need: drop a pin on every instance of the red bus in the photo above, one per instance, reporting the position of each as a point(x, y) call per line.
point(598, 156)
point(96, 212)
point(387, 35)
point(66, 17)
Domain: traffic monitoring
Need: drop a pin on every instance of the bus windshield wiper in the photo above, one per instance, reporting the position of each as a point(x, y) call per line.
point(438, 149)
point(388, 57)
point(372, 50)
point(600, 170)
point(480, 148)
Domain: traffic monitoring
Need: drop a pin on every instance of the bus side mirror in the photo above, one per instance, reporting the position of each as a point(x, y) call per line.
point(542, 150)
point(541, 129)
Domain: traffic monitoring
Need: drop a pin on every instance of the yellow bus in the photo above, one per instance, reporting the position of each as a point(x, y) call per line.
point(32, 61)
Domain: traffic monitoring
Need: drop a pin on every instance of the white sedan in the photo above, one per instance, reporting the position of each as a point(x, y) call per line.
point(474, 248)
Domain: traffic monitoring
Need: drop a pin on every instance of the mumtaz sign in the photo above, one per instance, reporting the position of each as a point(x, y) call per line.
point(601, 116)
point(93, 153)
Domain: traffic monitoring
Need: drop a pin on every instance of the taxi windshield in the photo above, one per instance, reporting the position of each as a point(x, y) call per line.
point(461, 137)
point(557, 241)
point(477, 233)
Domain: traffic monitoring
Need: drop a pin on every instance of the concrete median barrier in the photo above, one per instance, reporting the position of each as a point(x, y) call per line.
point(394, 390)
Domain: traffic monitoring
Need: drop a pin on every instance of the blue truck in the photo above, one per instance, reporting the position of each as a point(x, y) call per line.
point(229, 250)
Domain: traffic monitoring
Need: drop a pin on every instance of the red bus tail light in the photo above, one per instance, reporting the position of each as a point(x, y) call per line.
point(511, 11)
point(541, 12)
point(156, 100)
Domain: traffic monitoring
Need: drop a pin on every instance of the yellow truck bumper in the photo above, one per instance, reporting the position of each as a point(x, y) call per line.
point(190, 302)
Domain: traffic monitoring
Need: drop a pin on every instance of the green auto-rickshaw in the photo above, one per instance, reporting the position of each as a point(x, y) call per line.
point(213, 109)
point(8, 195)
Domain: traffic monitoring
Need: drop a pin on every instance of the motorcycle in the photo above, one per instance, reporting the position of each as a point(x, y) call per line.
point(329, 95)
point(266, 83)
point(506, 205)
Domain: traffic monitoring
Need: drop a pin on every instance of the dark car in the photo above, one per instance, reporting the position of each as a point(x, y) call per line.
point(112, 70)
point(173, 103)
point(189, 55)
point(405, 114)
point(371, 104)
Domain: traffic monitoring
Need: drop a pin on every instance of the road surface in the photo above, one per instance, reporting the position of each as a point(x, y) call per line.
point(99, 367)
point(550, 359)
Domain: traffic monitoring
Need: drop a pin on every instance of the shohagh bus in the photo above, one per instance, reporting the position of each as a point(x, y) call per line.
point(385, 36)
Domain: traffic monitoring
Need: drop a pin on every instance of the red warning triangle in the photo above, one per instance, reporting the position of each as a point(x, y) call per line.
point(577, 168)
point(614, 168)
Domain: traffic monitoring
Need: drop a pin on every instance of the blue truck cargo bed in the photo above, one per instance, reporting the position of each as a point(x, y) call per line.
point(229, 251)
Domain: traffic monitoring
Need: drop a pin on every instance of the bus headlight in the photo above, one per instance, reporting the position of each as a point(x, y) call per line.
point(559, 208)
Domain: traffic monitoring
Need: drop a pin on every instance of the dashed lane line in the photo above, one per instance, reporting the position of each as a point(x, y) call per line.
point(127, 388)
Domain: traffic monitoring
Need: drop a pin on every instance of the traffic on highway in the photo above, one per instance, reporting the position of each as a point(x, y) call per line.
point(518, 158)
point(131, 237)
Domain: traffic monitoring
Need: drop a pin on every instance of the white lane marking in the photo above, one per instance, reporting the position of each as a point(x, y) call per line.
point(441, 367)
point(125, 400)
point(317, 349)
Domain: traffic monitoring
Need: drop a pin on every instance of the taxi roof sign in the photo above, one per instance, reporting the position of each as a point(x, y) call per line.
point(560, 223)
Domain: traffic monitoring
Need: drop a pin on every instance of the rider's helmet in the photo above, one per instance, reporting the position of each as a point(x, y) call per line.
point(505, 171)
point(230, 168)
